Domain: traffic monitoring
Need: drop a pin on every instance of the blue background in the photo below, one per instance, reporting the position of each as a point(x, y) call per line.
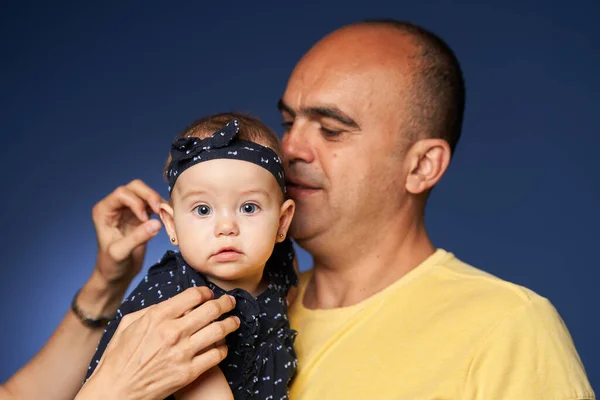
point(91, 94)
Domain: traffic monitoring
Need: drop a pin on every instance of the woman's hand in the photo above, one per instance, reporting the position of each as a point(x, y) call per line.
point(123, 228)
point(161, 349)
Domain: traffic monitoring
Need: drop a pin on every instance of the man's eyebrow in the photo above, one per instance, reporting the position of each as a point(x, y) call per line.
point(322, 111)
point(333, 113)
point(282, 107)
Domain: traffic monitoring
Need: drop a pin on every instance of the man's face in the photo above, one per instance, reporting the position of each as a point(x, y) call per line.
point(342, 145)
point(226, 216)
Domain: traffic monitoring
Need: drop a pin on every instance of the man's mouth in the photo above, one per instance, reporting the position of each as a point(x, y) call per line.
point(297, 188)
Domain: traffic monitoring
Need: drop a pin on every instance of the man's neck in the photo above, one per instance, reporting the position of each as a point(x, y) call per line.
point(349, 277)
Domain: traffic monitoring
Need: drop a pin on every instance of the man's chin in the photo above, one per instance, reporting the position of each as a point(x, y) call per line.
point(301, 232)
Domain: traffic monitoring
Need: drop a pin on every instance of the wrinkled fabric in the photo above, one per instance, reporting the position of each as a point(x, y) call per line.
point(224, 143)
point(261, 361)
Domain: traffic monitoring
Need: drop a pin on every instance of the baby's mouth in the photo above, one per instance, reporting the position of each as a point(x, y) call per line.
point(226, 254)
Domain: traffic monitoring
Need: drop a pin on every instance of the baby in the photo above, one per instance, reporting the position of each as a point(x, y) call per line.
point(229, 216)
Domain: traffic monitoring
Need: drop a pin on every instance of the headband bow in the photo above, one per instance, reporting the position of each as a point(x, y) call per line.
point(185, 148)
point(224, 143)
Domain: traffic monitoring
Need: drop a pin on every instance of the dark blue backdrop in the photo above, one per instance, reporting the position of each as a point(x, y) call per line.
point(92, 93)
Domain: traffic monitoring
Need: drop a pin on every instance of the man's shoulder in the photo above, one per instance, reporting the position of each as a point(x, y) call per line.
point(512, 329)
point(465, 281)
point(468, 298)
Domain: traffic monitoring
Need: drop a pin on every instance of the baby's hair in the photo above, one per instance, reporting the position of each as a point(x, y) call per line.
point(251, 129)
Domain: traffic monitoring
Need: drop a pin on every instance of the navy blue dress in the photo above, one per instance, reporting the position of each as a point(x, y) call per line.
point(261, 361)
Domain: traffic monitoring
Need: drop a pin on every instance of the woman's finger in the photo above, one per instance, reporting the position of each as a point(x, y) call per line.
point(208, 359)
point(205, 314)
point(122, 248)
point(150, 196)
point(183, 303)
point(212, 334)
point(121, 197)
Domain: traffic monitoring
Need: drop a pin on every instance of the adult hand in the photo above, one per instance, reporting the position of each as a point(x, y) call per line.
point(161, 349)
point(123, 228)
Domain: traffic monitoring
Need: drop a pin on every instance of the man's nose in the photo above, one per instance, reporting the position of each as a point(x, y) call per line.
point(226, 226)
point(296, 144)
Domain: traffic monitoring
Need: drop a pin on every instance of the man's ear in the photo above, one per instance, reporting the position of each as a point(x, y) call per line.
point(429, 160)
point(166, 215)
point(285, 218)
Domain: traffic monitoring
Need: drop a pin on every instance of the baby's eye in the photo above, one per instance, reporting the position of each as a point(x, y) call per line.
point(249, 208)
point(203, 210)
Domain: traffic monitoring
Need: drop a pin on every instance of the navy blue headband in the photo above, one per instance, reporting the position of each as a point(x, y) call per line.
point(189, 151)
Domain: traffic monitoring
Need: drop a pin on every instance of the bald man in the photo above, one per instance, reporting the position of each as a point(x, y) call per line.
point(373, 113)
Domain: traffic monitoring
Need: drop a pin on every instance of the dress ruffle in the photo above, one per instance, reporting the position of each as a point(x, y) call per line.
point(261, 361)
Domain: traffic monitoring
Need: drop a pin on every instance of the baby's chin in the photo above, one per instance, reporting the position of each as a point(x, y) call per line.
point(228, 271)
point(231, 275)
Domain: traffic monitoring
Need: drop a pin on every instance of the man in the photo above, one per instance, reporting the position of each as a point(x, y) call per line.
point(373, 113)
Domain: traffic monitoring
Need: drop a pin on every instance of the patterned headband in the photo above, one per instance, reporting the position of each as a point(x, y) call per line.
point(189, 151)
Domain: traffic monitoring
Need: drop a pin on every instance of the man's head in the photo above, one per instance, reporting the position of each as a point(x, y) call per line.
point(373, 113)
point(224, 213)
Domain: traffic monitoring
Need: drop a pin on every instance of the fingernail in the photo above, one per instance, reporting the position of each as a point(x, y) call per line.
point(232, 299)
point(236, 319)
point(153, 226)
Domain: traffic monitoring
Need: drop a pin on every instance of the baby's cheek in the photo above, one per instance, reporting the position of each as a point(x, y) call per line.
point(262, 249)
point(194, 253)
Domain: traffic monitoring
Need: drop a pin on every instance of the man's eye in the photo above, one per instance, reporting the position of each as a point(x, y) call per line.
point(203, 210)
point(330, 133)
point(287, 125)
point(249, 208)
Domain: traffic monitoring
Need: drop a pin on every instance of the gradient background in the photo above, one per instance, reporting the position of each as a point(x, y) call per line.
point(92, 94)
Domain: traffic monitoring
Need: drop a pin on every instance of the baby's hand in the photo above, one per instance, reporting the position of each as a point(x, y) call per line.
point(210, 385)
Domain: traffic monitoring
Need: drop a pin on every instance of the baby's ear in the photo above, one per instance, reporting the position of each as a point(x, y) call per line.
point(285, 218)
point(166, 215)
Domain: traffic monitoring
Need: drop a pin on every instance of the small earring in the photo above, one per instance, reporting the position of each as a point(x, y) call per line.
point(172, 240)
point(281, 235)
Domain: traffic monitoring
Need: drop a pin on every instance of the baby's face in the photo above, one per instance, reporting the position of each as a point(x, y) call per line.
point(226, 218)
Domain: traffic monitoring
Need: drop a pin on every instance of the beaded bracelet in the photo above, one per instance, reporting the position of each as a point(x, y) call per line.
point(86, 320)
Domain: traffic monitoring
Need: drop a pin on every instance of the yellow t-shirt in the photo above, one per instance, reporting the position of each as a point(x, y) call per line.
point(446, 330)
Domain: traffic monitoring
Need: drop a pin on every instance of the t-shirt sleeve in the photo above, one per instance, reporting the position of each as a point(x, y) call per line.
point(528, 355)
